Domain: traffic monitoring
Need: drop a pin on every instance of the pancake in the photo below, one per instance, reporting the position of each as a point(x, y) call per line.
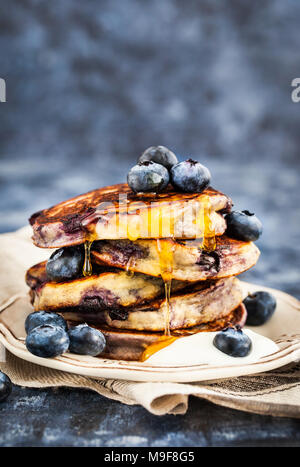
point(190, 262)
point(115, 212)
point(198, 304)
point(112, 288)
point(130, 345)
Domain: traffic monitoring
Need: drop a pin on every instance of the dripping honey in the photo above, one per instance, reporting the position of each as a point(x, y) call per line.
point(203, 220)
point(164, 341)
point(209, 238)
point(133, 230)
point(159, 344)
point(129, 265)
point(87, 269)
point(87, 265)
point(165, 250)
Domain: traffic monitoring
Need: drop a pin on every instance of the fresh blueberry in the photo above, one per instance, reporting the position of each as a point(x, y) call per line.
point(65, 264)
point(243, 225)
point(47, 341)
point(260, 307)
point(233, 342)
point(85, 340)
point(39, 318)
point(190, 176)
point(160, 155)
point(148, 177)
point(5, 386)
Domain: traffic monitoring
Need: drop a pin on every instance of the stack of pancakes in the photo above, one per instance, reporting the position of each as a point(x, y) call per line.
point(154, 268)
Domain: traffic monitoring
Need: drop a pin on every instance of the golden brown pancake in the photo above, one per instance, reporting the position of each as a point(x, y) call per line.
point(130, 345)
point(110, 288)
point(200, 303)
point(190, 262)
point(114, 212)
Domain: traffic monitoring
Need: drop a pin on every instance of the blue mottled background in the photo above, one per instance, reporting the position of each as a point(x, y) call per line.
point(91, 84)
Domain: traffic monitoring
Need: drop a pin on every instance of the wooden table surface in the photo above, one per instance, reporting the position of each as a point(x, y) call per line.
point(69, 417)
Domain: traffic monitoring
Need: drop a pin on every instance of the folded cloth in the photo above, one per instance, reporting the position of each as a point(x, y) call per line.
point(274, 393)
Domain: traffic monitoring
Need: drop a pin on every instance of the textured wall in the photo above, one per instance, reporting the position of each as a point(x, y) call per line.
point(91, 84)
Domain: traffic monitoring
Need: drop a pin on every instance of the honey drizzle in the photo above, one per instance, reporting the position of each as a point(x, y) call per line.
point(203, 220)
point(133, 230)
point(209, 237)
point(159, 344)
point(87, 269)
point(130, 264)
point(165, 250)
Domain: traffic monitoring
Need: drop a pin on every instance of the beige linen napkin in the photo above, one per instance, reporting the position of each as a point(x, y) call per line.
point(274, 393)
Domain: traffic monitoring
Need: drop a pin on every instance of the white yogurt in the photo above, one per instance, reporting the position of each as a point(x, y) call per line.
point(199, 349)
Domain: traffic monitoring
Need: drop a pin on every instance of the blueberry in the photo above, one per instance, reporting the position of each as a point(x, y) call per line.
point(5, 386)
point(47, 341)
point(85, 340)
point(147, 177)
point(260, 307)
point(39, 318)
point(243, 225)
point(65, 264)
point(160, 155)
point(233, 342)
point(190, 176)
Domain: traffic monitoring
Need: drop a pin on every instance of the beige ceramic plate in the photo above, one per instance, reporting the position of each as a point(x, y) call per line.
point(283, 328)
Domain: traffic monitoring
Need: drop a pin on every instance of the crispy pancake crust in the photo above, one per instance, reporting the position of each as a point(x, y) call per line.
point(96, 214)
point(190, 263)
point(130, 345)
